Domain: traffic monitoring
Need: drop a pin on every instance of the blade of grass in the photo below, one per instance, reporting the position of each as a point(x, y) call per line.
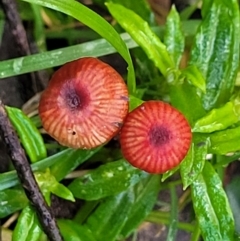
point(96, 48)
point(98, 24)
point(58, 57)
point(172, 232)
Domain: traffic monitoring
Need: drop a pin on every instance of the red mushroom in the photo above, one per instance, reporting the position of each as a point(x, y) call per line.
point(155, 137)
point(84, 104)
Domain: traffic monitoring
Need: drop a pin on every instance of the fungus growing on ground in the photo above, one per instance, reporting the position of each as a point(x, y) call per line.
point(84, 104)
point(155, 137)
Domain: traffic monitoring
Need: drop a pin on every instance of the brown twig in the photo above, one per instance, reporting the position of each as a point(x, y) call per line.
point(26, 177)
point(20, 38)
point(18, 31)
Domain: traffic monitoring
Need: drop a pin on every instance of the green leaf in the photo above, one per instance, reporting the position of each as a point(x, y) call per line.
point(216, 51)
point(98, 24)
point(206, 5)
point(193, 163)
point(38, 29)
point(169, 173)
point(61, 164)
point(146, 193)
point(194, 76)
point(220, 118)
point(185, 98)
point(85, 210)
point(109, 179)
point(27, 228)
point(142, 8)
point(134, 102)
point(109, 217)
point(232, 190)
point(61, 191)
point(211, 206)
point(58, 57)
point(172, 232)
point(66, 165)
point(140, 31)
point(223, 142)
point(72, 231)
point(11, 201)
point(189, 10)
point(29, 135)
point(96, 48)
point(174, 37)
point(52, 186)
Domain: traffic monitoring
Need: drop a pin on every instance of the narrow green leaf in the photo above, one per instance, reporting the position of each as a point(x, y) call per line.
point(46, 60)
point(140, 31)
point(62, 163)
point(11, 201)
point(168, 174)
point(223, 142)
point(172, 232)
point(174, 37)
point(65, 166)
point(232, 190)
point(98, 24)
point(96, 48)
point(27, 228)
point(109, 217)
point(194, 76)
point(220, 118)
point(146, 193)
point(29, 135)
point(206, 5)
point(185, 98)
point(189, 10)
point(142, 8)
point(72, 231)
point(39, 33)
point(193, 163)
point(85, 210)
point(162, 217)
point(109, 179)
point(216, 51)
point(61, 191)
point(211, 206)
point(225, 160)
point(134, 102)
point(52, 186)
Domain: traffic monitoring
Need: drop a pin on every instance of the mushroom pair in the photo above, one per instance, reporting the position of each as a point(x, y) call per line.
point(86, 104)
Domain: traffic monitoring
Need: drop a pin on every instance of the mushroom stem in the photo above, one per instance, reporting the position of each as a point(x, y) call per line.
point(26, 177)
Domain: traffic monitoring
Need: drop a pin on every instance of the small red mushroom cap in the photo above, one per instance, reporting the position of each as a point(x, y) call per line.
point(84, 104)
point(155, 137)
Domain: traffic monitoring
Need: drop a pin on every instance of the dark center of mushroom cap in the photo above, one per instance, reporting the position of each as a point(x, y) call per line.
point(75, 99)
point(159, 135)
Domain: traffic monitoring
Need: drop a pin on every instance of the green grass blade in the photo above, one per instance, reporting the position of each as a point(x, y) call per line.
point(98, 24)
point(58, 57)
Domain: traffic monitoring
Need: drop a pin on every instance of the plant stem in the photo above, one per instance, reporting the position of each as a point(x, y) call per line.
point(26, 177)
point(161, 218)
point(196, 233)
point(172, 231)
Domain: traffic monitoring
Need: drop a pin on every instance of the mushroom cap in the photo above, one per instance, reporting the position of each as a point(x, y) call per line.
point(84, 104)
point(155, 137)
